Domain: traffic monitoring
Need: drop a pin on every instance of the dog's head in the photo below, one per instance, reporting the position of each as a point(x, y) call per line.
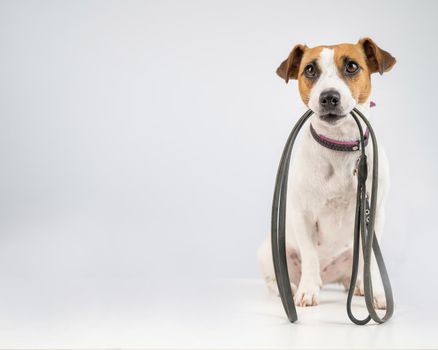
point(334, 79)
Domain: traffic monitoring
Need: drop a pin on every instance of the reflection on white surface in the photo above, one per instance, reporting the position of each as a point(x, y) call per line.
point(239, 314)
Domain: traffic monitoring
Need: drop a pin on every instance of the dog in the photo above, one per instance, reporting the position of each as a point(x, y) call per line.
point(322, 183)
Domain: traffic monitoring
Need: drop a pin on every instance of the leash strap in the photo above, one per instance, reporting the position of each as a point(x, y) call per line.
point(363, 229)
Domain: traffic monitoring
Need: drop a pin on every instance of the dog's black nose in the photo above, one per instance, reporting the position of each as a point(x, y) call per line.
point(329, 99)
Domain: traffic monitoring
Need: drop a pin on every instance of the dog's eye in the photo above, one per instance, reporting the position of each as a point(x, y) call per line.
point(351, 67)
point(310, 71)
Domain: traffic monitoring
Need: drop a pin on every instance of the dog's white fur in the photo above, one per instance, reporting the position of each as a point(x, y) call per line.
point(321, 202)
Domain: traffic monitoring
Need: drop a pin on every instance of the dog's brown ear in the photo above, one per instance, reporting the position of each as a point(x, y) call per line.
point(378, 60)
point(289, 67)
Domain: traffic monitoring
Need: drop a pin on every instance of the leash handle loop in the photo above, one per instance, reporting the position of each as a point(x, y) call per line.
point(371, 244)
point(278, 223)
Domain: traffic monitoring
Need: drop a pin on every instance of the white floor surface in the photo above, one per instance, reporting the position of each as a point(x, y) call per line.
point(236, 314)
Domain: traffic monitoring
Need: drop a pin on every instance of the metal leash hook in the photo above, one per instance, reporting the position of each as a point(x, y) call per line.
point(363, 229)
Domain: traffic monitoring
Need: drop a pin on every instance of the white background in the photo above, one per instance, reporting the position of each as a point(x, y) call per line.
point(139, 141)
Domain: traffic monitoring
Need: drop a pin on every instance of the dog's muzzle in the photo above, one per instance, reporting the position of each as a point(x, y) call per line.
point(330, 106)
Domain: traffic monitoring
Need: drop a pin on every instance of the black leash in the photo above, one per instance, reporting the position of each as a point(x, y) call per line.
point(363, 229)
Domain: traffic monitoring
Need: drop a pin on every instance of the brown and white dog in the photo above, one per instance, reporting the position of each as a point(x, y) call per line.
point(332, 80)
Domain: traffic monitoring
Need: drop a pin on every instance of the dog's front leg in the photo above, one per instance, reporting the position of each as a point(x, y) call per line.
point(310, 283)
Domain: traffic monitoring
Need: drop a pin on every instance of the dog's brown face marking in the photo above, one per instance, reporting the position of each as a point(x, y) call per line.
point(359, 82)
point(344, 68)
point(305, 82)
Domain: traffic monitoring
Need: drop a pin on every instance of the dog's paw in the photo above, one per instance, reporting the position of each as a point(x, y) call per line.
point(306, 296)
point(273, 287)
point(380, 301)
point(358, 289)
point(379, 297)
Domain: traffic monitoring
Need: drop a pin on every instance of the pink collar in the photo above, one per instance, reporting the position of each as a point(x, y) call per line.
point(336, 145)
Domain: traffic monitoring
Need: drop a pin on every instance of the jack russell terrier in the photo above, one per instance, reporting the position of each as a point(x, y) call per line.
point(321, 201)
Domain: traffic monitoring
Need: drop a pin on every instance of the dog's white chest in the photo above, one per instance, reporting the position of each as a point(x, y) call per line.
point(332, 199)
